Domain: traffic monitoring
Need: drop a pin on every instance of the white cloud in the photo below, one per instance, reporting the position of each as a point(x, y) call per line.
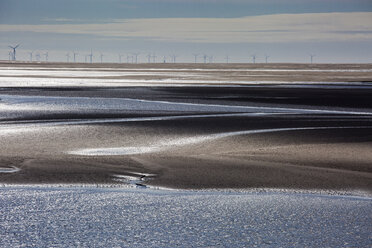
point(314, 27)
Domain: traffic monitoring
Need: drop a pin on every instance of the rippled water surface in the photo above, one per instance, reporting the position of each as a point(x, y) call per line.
point(77, 217)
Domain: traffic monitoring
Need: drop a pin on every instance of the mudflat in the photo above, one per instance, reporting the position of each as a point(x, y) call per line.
point(188, 126)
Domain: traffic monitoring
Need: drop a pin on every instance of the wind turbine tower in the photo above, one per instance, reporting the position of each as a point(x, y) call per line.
point(174, 57)
point(153, 58)
point(68, 57)
point(14, 51)
point(205, 58)
point(311, 58)
point(136, 56)
point(101, 57)
point(37, 57)
point(227, 59)
point(266, 58)
point(120, 56)
point(149, 58)
point(10, 55)
point(46, 56)
point(129, 57)
point(90, 56)
point(254, 58)
point(195, 57)
point(74, 54)
point(31, 55)
point(210, 59)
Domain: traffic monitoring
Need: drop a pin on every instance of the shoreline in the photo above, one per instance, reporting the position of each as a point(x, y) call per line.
point(149, 189)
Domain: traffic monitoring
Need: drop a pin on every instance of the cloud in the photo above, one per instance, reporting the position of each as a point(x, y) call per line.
point(313, 27)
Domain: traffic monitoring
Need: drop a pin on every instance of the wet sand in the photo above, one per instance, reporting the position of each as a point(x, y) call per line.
point(291, 135)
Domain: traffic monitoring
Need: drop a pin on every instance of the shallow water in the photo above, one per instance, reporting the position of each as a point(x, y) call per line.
point(11, 169)
point(61, 217)
point(10, 103)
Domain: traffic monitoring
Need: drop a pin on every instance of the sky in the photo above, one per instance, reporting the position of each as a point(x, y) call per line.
point(335, 31)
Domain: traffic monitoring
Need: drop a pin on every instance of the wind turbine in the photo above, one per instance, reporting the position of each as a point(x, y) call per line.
point(129, 57)
point(210, 59)
point(68, 57)
point(38, 56)
point(149, 58)
point(205, 58)
point(227, 59)
point(153, 57)
point(174, 57)
point(14, 51)
point(120, 56)
point(136, 56)
point(254, 58)
point(311, 58)
point(46, 56)
point(31, 55)
point(90, 56)
point(195, 57)
point(101, 57)
point(10, 55)
point(164, 59)
point(266, 57)
point(74, 54)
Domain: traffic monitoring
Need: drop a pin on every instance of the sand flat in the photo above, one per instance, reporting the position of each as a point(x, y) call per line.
point(192, 126)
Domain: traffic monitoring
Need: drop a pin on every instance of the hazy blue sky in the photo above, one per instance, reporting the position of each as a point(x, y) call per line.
point(286, 30)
